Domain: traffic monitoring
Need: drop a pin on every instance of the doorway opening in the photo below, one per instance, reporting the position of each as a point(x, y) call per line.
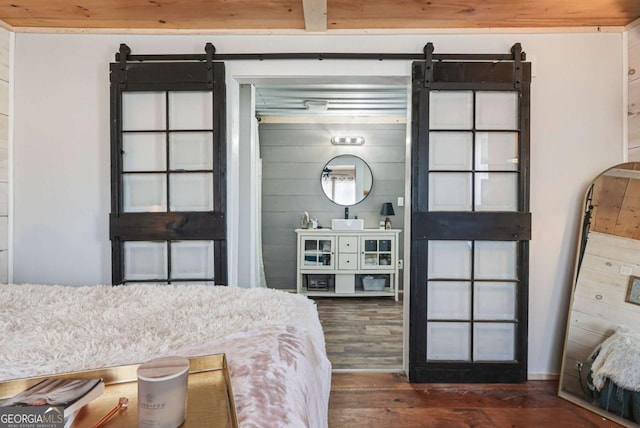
point(299, 126)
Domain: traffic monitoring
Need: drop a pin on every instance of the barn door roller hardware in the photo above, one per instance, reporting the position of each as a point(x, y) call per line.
point(124, 56)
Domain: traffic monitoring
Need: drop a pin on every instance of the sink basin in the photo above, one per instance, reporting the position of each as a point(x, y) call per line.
point(347, 224)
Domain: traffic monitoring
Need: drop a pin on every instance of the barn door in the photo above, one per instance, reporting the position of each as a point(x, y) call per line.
point(470, 220)
point(168, 162)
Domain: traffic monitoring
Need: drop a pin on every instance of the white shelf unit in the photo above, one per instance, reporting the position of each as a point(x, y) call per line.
point(332, 263)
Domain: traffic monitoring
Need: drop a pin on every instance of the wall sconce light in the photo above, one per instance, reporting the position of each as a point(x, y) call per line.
point(347, 141)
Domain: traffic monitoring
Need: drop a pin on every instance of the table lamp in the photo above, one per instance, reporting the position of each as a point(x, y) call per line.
point(387, 210)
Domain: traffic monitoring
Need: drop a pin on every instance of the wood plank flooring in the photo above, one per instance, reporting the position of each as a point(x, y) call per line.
point(379, 400)
point(362, 333)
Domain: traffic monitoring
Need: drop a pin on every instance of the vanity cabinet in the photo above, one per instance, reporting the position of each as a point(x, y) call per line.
point(349, 263)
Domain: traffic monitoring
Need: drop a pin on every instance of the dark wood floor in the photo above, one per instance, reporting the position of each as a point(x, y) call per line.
point(379, 400)
point(362, 333)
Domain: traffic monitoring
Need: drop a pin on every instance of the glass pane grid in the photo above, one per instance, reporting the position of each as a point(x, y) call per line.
point(488, 332)
point(491, 119)
point(168, 262)
point(482, 310)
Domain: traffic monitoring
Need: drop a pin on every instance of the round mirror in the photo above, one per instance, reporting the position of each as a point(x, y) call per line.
point(346, 180)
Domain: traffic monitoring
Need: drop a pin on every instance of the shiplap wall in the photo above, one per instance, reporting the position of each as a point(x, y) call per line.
point(599, 305)
point(4, 152)
point(293, 156)
point(633, 41)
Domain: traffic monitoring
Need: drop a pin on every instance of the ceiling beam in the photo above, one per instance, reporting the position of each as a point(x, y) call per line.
point(315, 15)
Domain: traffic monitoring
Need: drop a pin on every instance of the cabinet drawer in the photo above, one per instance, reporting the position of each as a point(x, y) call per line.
point(348, 261)
point(348, 244)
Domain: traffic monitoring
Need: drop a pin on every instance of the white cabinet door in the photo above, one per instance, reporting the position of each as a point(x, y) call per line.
point(377, 252)
point(317, 252)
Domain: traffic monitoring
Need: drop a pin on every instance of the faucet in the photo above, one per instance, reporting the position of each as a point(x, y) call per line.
point(346, 213)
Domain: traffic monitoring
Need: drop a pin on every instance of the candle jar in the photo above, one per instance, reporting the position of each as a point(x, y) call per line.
point(162, 392)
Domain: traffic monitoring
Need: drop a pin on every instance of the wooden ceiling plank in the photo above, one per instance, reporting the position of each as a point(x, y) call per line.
point(480, 13)
point(315, 15)
point(217, 14)
point(22, 25)
point(320, 15)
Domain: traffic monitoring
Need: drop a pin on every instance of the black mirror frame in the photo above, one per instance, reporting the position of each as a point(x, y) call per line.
point(365, 164)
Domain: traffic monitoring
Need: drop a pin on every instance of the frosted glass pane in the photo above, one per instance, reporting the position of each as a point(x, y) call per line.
point(495, 260)
point(497, 151)
point(496, 191)
point(144, 193)
point(448, 341)
point(192, 259)
point(450, 110)
point(191, 192)
point(143, 111)
point(449, 191)
point(191, 110)
point(493, 342)
point(145, 260)
point(449, 259)
point(144, 152)
point(450, 150)
point(191, 150)
point(448, 300)
point(497, 110)
point(494, 301)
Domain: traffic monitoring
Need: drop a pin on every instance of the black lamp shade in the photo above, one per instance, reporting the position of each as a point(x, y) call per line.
point(387, 209)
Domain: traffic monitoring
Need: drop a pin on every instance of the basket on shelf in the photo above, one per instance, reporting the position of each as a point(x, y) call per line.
point(370, 283)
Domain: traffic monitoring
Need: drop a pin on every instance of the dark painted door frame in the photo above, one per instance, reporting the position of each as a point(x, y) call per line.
point(173, 73)
point(456, 74)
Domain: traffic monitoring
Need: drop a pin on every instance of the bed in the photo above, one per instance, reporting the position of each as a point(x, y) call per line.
point(615, 374)
point(272, 339)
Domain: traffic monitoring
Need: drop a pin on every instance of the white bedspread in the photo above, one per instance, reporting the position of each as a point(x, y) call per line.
point(273, 340)
point(617, 358)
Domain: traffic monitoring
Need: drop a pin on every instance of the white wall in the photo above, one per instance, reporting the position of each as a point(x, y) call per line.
point(62, 144)
point(5, 67)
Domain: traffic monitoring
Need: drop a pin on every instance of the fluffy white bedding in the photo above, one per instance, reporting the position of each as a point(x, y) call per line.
point(617, 359)
point(273, 340)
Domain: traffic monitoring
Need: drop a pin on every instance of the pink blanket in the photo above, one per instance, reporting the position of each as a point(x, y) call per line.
point(279, 375)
